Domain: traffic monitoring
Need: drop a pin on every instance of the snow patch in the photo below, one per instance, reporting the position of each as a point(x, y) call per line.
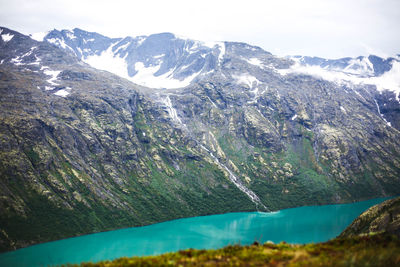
point(140, 40)
point(294, 117)
point(52, 73)
point(70, 35)
point(122, 47)
point(29, 52)
point(62, 93)
point(255, 61)
point(390, 80)
point(109, 62)
point(89, 40)
point(80, 51)
point(38, 36)
point(145, 76)
point(186, 66)
point(207, 73)
point(59, 42)
point(17, 61)
point(246, 79)
point(7, 37)
point(359, 67)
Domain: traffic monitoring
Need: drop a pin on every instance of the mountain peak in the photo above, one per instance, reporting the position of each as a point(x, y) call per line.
point(160, 60)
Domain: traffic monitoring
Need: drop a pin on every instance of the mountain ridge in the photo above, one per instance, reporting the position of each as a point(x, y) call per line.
point(371, 65)
point(175, 55)
point(196, 61)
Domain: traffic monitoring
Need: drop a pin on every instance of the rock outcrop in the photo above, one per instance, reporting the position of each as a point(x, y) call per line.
point(381, 218)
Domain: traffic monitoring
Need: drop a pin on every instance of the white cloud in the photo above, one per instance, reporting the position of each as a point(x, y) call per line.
point(309, 27)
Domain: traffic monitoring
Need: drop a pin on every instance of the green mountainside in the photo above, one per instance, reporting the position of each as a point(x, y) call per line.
point(102, 158)
point(112, 154)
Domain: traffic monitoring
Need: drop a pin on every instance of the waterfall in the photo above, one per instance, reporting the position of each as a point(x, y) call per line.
point(171, 110)
point(237, 182)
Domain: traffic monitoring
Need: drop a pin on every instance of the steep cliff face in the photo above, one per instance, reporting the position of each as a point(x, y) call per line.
point(83, 150)
point(382, 218)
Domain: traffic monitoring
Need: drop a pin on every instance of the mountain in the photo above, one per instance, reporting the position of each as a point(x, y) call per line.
point(361, 66)
point(167, 61)
point(160, 60)
point(382, 73)
point(84, 150)
point(382, 218)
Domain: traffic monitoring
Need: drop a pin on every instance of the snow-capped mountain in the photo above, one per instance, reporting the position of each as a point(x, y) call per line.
point(249, 131)
point(371, 70)
point(362, 66)
point(167, 61)
point(40, 58)
point(159, 60)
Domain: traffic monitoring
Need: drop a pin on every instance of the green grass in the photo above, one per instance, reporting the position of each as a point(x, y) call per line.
point(33, 156)
point(375, 250)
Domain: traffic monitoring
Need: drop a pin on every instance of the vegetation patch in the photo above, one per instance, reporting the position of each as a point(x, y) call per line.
point(374, 250)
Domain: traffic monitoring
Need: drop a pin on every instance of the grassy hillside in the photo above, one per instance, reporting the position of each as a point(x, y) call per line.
point(375, 250)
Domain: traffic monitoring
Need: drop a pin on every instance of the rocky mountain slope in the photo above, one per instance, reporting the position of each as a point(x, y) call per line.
point(160, 60)
point(84, 150)
point(382, 73)
point(370, 66)
point(168, 61)
point(382, 218)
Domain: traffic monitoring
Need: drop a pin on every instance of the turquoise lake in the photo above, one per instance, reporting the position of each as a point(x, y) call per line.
point(296, 225)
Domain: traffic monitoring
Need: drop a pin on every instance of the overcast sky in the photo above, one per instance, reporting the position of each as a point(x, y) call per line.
point(326, 28)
